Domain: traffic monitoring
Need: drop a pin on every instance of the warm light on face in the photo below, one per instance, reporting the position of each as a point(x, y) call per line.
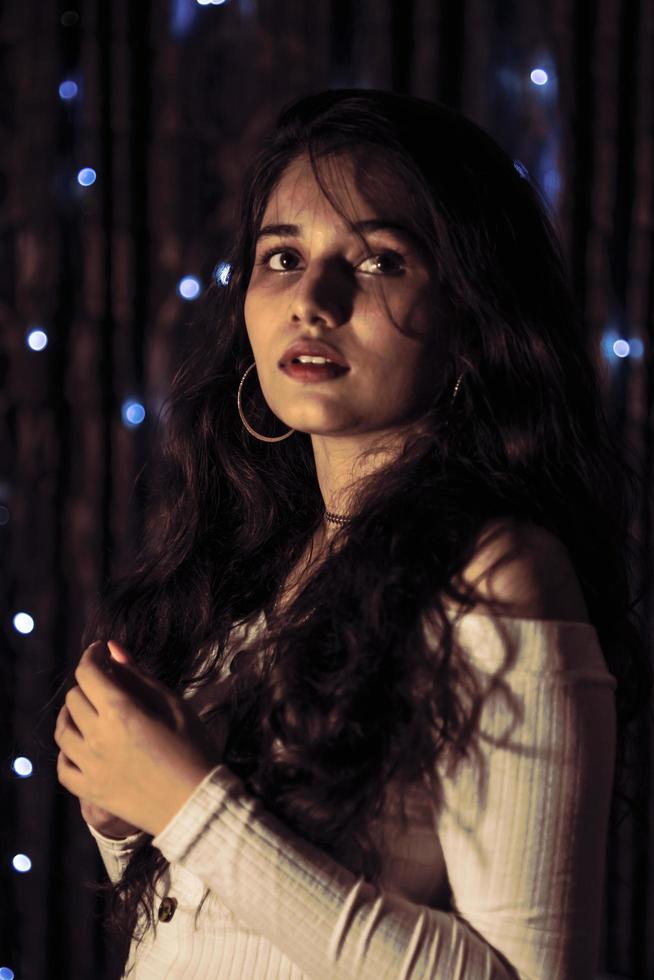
point(315, 278)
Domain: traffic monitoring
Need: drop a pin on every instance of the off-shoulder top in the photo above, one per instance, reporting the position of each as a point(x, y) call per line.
point(501, 877)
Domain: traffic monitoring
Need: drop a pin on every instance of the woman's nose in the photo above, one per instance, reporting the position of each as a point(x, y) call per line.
point(323, 294)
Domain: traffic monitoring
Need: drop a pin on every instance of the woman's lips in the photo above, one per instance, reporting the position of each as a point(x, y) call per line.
point(313, 372)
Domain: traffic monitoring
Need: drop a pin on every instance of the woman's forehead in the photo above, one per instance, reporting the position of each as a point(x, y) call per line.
point(360, 186)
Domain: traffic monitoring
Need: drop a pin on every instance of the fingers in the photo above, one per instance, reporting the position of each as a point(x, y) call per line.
point(150, 693)
point(63, 720)
point(80, 709)
point(94, 677)
point(68, 738)
point(107, 682)
point(68, 774)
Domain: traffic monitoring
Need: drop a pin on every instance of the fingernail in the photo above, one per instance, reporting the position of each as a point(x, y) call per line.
point(116, 653)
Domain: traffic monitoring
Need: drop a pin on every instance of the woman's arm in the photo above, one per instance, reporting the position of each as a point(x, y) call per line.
point(523, 839)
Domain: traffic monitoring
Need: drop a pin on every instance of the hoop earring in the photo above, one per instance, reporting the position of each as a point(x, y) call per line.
point(245, 422)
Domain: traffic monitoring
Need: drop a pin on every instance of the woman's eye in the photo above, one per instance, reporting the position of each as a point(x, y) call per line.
point(265, 259)
point(379, 259)
point(396, 262)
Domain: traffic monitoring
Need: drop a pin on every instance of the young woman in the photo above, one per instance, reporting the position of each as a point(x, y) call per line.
point(355, 709)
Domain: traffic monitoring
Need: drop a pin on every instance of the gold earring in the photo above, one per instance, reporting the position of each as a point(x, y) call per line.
point(245, 422)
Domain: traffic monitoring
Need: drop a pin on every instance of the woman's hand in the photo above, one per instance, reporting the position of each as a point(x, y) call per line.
point(129, 746)
point(106, 823)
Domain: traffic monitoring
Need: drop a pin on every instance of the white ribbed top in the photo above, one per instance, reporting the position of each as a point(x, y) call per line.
point(502, 877)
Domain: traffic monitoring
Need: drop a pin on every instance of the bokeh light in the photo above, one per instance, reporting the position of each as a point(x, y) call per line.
point(86, 176)
point(22, 766)
point(222, 272)
point(68, 90)
point(132, 413)
point(23, 622)
point(37, 339)
point(189, 287)
point(21, 863)
point(616, 347)
point(539, 76)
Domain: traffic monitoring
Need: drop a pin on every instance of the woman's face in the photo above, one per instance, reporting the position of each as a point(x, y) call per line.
point(316, 281)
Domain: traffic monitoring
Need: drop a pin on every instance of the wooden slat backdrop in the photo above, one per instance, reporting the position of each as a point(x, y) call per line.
point(174, 97)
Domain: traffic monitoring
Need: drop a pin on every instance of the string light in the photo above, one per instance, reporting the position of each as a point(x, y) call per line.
point(22, 766)
point(23, 622)
point(222, 273)
point(37, 339)
point(189, 287)
point(539, 76)
point(132, 413)
point(21, 863)
point(68, 90)
point(616, 347)
point(86, 176)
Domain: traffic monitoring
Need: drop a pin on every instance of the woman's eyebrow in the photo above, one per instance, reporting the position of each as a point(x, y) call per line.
point(369, 224)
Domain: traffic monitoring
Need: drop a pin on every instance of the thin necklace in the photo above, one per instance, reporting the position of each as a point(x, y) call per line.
point(337, 518)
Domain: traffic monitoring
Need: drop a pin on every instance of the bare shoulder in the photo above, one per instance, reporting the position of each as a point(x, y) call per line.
point(527, 569)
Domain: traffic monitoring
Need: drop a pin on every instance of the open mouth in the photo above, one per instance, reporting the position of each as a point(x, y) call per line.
point(313, 371)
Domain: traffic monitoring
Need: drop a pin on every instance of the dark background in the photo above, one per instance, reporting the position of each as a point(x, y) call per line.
point(172, 98)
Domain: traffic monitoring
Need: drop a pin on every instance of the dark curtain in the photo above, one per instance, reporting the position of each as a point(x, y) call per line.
point(172, 99)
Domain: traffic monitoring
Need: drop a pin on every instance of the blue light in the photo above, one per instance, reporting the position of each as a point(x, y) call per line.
point(6, 973)
point(539, 76)
point(132, 413)
point(86, 176)
point(551, 182)
point(37, 339)
point(211, 3)
point(183, 14)
point(22, 766)
point(522, 170)
point(23, 622)
point(222, 272)
point(21, 863)
point(615, 346)
point(189, 287)
point(68, 90)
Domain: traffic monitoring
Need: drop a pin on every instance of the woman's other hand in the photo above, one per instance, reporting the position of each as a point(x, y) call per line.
point(129, 747)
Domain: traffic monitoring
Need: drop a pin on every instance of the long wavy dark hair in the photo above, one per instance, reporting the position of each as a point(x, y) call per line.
point(320, 736)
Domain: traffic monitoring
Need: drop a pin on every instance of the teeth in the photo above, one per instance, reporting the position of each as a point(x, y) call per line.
point(311, 359)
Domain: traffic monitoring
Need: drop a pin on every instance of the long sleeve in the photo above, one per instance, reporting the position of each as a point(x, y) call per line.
point(114, 853)
point(523, 837)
